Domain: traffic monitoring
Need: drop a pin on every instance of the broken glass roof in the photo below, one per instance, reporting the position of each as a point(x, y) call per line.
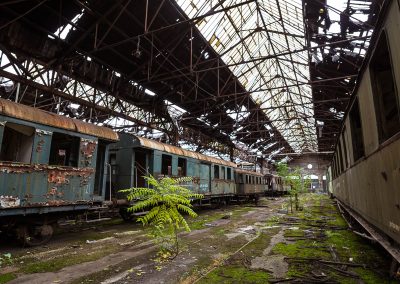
point(260, 41)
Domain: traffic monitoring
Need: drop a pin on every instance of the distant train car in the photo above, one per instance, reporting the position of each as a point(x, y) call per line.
point(275, 185)
point(134, 157)
point(365, 170)
point(49, 165)
point(249, 183)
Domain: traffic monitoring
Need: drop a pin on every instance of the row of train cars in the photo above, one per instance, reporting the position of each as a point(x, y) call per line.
point(52, 166)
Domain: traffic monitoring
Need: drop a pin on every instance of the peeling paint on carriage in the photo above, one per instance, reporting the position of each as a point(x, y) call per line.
point(87, 148)
point(9, 201)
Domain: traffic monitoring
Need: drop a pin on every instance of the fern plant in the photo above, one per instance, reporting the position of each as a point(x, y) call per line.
point(165, 201)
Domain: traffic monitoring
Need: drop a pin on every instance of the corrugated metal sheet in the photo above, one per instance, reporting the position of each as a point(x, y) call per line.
point(24, 112)
point(181, 152)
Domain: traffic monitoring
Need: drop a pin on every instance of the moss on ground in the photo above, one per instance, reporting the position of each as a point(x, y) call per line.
point(4, 278)
point(328, 233)
point(301, 249)
point(235, 274)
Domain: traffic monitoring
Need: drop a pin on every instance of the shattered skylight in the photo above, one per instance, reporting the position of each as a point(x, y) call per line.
point(259, 41)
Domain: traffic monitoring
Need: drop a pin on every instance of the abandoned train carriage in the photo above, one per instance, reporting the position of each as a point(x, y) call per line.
point(365, 171)
point(49, 165)
point(134, 157)
point(249, 183)
point(275, 185)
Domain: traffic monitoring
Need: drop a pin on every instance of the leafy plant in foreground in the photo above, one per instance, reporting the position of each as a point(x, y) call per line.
point(165, 200)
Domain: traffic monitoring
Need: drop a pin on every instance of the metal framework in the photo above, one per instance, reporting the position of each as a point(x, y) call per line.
point(248, 79)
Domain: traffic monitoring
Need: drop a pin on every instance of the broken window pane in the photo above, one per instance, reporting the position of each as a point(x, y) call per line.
point(229, 173)
point(356, 132)
point(216, 171)
point(17, 143)
point(64, 150)
point(166, 165)
point(181, 167)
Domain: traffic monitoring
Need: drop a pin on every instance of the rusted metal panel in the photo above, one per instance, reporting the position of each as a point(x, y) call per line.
point(147, 143)
point(27, 113)
point(41, 146)
point(44, 185)
point(87, 155)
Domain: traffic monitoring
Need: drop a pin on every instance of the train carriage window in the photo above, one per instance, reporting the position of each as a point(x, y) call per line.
point(346, 162)
point(222, 172)
point(229, 173)
point(240, 178)
point(216, 171)
point(17, 143)
point(166, 165)
point(247, 179)
point(336, 165)
point(384, 89)
point(252, 179)
point(64, 150)
point(340, 154)
point(356, 131)
point(181, 167)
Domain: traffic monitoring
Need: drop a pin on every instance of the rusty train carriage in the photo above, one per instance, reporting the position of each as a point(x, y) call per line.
point(48, 164)
point(365, 171)
point(249, 183)
point(274, 185)
point(133, 157)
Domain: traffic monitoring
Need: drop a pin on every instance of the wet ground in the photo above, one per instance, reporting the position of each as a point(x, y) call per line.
point(234, 244)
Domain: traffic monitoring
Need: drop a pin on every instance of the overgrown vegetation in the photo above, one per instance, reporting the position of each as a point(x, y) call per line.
point(4, 278)
point(296, 182)
point(165, 199)
point(5, 259)
point(319, 234)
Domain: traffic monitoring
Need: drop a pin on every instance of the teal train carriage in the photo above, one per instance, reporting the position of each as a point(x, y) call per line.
point(50, 166)
point(134, 157)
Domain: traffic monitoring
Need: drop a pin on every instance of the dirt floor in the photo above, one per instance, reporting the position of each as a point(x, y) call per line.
point(234, 244)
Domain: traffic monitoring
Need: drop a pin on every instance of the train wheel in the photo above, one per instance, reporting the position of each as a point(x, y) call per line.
point(34, 235)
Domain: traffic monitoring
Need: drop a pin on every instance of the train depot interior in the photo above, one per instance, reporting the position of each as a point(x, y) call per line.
point(199, 141)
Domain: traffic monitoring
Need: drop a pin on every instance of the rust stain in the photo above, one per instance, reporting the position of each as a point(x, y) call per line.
point(39, 146)
point(57, 177)
point(87, 150)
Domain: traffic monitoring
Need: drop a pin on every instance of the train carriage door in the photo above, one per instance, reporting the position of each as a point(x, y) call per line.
point(205, 178)
point(140, 169)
